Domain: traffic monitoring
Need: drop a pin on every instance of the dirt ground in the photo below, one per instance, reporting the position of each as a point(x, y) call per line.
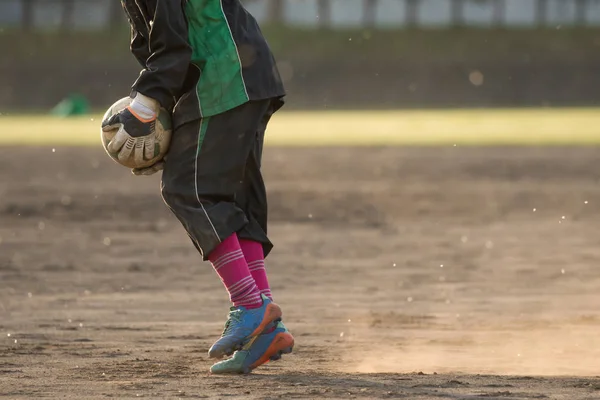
point(454, 273)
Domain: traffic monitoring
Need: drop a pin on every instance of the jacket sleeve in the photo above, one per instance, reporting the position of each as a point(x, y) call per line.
point(169, 53)
point(139, 47)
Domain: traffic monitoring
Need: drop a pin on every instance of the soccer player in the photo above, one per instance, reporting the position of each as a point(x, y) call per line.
point(208, 64)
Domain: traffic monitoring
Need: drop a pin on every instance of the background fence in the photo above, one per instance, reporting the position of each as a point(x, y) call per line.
point(101, 14)
point(332, 53)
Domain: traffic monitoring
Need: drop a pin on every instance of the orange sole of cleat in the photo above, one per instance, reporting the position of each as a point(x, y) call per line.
point(282, 344)
point(272, 313)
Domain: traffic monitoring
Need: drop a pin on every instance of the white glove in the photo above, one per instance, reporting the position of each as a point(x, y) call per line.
point(136, 129)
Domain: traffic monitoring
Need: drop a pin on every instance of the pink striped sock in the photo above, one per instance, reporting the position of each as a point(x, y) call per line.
point(253, 252)
point(229, 263)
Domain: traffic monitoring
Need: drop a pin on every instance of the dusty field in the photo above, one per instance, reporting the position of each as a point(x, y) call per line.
point(403, 273)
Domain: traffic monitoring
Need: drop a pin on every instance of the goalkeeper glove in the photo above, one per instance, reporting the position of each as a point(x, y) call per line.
point(136, 130)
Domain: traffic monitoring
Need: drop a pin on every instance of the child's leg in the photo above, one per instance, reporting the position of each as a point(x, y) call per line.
point(254, 243)
point(204, 173)
point(253, 252)
point(229, 263)
point(254, 201)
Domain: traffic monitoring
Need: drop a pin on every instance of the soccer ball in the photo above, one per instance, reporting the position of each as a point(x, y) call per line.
point(163, 129)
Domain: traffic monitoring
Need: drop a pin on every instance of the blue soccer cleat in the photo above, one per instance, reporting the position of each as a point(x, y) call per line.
point(244, 324)
point(258, 351)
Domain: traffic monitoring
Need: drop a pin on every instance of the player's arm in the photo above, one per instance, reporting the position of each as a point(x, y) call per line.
point(139, 47)
point(165, 55)
point(169, 53)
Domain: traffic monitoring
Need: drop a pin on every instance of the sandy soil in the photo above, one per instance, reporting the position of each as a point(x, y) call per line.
point(403, 273)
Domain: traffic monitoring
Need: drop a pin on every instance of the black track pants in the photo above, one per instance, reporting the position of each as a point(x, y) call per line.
point(212, 178)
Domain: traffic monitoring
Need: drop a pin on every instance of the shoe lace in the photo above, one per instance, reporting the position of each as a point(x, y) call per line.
point(235, 315)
